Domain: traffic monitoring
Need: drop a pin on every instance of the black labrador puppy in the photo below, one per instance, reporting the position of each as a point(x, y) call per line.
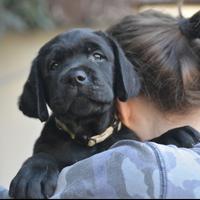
point(79, 75)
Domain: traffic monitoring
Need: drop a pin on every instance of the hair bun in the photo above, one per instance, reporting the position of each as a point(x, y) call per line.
point(191, 27)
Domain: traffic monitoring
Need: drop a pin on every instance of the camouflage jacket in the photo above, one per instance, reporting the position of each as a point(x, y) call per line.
point(133, 169)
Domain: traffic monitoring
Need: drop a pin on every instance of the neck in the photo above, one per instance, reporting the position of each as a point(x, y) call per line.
point(90, 141)
point(166, 122)
point(148, 122)
point(88, 126)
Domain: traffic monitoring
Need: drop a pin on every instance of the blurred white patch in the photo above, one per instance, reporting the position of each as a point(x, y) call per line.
point(197, 192)
point(156, 181)
point(186, 169)
point(134, 179)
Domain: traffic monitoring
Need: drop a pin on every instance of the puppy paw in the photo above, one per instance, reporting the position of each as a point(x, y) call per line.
point(35, 180)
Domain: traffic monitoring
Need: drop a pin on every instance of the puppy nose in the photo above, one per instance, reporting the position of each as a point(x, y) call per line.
point(76, 77)
point(80, 76)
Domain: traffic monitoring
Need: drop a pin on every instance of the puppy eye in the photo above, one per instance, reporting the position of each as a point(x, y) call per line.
point(53, 65)
point(98, 56)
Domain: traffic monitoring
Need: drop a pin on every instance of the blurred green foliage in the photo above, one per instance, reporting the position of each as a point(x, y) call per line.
point(21, 15)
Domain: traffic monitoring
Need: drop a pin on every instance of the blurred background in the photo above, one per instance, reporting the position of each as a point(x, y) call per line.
point(25, 26)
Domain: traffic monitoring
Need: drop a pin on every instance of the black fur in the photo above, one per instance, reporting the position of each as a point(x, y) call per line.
point(80, 88)
point(85, 106)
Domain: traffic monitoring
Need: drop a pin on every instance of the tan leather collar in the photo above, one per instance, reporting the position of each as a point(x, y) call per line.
point(92, 141)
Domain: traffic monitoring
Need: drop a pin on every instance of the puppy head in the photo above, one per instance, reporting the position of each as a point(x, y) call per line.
point(78, 73)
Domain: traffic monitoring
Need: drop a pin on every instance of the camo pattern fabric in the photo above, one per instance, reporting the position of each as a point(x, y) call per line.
point(3, 193)
point(132, 169)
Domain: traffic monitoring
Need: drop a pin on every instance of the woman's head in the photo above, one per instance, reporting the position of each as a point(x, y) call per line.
point(166, 53)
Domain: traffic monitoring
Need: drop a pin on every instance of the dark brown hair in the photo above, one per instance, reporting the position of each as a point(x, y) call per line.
point(166, 53)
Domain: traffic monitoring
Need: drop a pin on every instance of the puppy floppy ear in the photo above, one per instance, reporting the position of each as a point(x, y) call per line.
point(32, 101)
point(126, 78)
point(127, 82)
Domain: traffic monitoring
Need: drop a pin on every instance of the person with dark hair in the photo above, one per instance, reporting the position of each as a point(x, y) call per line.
point(166, 54)
point(165, 51)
